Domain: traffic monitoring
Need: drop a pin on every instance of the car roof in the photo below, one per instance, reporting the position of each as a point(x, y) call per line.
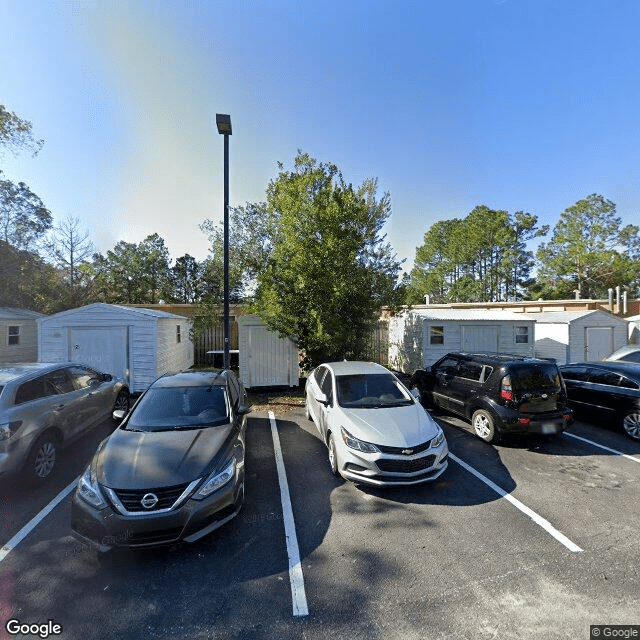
point(629, 348)
point(13, 371)
point(623, 368)
point(194, 378)
point(500, 358)
point(353, 367)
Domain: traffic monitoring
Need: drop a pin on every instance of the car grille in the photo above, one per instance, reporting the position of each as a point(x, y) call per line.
point(406, 466)
point(399, 451)
point(167, 496)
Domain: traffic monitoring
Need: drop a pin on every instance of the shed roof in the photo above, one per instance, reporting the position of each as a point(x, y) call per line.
point(471, 314)
point(102, 306)
point(10, 313)
point(567, 317)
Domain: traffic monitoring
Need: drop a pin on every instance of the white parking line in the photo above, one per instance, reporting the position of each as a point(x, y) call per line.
point(35, 521)
point(539, 520)
point(601, 446)
point(296, 578)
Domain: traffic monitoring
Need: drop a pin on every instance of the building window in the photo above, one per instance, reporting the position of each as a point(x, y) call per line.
point(178, 336)
point(522, 335)
point(436, 335)
point(14, 335)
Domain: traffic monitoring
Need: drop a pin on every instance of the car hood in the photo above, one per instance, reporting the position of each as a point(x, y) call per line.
point(135, 460)
point(393, 426)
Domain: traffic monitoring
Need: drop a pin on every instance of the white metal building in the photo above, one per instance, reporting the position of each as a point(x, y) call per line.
point(18, 335)
point(419, 337)
point(266, 360)
point(578, 336)
point(134, 343)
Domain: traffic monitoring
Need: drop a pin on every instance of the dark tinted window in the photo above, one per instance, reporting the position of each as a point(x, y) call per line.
point(534, 376)
point(33, 390)
point(470, 370)
point(60, 381)
point(632, 357)
point(235, 392)
point(603, 377)
point(370, 390)
point(168, 408)
point(628, 384)
point(326, 387)
point(447, 365)
point(577, 373)
point(318, 373)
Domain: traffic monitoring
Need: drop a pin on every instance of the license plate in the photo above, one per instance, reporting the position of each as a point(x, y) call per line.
point(549, 427)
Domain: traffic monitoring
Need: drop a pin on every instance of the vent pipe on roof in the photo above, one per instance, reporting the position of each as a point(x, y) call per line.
point(624, 302)
point(577, 293)
point(618, 299)
point(427, 299)
point(610, 299)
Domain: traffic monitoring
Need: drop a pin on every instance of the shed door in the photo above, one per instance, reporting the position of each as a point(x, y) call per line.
point(104, 348)
point(268, 358)
point(480, 338)
point(598, 344)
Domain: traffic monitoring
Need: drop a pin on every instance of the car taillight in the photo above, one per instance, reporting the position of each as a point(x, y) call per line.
point(505, 390)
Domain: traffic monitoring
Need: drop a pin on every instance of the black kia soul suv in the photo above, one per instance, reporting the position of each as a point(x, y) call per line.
point(497, 393)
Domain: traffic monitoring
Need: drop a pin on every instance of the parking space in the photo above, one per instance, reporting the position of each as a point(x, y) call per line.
point(449, 559)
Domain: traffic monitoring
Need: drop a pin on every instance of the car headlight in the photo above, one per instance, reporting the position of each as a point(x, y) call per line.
point(216, 480)
point(7, 429)
point(439, 439)
point(358, 445)
point(89, 490)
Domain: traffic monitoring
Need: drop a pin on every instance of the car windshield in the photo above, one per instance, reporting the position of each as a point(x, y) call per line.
point(174, 408)
point(371, 391)
point(535, 377)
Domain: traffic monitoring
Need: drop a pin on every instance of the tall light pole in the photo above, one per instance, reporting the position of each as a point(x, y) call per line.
point(223, 122)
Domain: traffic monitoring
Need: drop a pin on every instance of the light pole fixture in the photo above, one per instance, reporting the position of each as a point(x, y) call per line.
point(223, 122)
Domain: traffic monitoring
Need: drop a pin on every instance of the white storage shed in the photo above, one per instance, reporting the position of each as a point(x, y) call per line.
point(578, 336)
point(18, 335)
point(419, 337)
point(136, 344)
point(266, 360)
point(633, 325)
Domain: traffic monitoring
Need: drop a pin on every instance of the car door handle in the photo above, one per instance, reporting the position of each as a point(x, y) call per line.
point(58, 406)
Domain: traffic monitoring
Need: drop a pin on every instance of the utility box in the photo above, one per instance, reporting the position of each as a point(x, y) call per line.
point(266, 360)
point(136, 344)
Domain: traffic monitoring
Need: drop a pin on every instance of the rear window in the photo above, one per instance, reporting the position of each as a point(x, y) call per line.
point(174, 408)
point(534, 376)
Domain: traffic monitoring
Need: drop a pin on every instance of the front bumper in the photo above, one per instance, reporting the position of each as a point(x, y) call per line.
point(380, 469)
point(106, 528)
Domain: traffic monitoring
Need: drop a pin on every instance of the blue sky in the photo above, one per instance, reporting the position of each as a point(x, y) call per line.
point(517, 104)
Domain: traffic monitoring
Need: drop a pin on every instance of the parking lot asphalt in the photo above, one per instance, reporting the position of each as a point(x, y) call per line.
point(469, 556)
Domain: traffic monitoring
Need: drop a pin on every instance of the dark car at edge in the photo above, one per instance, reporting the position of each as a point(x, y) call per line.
point(606, 392)
point(173, 470)
point(497, 393)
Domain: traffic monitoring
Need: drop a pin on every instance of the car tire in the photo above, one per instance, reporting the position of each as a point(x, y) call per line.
point(122, 402)
point(41, 461)
point(333, 455)
point(484, 425)
point(631, 425)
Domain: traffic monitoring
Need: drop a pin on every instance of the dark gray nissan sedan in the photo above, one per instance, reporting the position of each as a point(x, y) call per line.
point(172, 471)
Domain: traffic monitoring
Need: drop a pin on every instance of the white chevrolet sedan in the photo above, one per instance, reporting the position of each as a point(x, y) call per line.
point(376, 432)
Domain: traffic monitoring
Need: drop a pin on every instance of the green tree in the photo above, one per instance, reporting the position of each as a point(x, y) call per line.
point(329, 270)
point(589, 252)
point(16, 134)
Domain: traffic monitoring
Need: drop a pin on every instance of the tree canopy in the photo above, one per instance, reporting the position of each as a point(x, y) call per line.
point(329, 269)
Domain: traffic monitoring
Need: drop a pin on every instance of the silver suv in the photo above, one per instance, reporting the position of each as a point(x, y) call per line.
point(44, 407)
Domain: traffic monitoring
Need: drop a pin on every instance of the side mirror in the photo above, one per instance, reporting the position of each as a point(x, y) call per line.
point(415, 392)
point(243, 409)
point(118, 415)
point(322, 398)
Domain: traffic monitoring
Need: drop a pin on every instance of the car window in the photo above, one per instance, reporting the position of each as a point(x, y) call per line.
point(60, 381)
point(84, 377)
point(628, 384)
point(371, 390)
point(604, 377)
point(632, 357)
point(577, 373)
point(234, 391)
point(174, 408)
point(470, 371)
point(447, 365)
point(318, 374)
point(34, 390)
point(534, 376)
point(327, 387)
